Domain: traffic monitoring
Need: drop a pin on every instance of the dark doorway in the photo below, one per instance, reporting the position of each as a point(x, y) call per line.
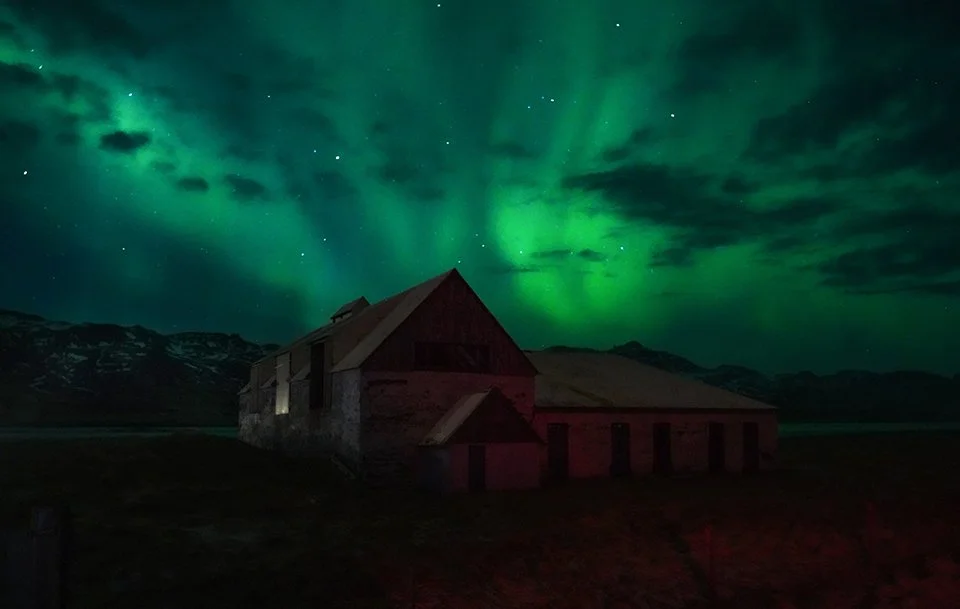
point(751, 447)
point(434, 466)
point(662, 449)
point(558, 451)
point(477, 467)
point(717, 443)
point(620, 450)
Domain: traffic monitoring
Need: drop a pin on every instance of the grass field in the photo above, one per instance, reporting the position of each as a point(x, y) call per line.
point(187, 521)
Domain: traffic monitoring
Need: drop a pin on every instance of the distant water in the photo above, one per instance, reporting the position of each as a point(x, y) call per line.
point(799, 430)
point(78, 433)
point(787, 430)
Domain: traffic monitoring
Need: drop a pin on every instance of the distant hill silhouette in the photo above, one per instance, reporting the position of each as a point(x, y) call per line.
point(58, 373)
point(848, 395)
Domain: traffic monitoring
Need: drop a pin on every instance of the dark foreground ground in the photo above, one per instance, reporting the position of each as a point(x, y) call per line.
point(189, 521)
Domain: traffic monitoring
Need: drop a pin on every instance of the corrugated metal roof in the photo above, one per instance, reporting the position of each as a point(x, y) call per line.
point(403, 305)
point(451, 421)
point(369, 326)
point(604, 380)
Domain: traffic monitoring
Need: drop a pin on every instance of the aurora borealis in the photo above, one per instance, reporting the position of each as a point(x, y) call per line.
point(772, 184)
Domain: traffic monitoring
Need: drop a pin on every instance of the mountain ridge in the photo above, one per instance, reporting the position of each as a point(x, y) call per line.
point(845, 395)
point(64, 373)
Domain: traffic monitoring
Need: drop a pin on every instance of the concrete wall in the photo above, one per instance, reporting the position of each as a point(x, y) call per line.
point(398, 409)
point(258, 419)
point(332, 429)
point(590, 450)
point(345, 417)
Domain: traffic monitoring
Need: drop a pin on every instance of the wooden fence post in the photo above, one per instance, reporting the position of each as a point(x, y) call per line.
point(49, 532)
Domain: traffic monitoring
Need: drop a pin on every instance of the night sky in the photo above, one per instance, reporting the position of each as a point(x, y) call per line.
point(735, 182)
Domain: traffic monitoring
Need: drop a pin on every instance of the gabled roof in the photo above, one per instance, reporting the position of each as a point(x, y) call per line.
point(590, 380)
point(451, 421)
point(488, 417)
point(398, 308)
point(361, 333)
point(365, 321)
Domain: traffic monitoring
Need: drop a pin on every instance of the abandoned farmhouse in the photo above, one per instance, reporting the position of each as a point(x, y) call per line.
point(427, 387)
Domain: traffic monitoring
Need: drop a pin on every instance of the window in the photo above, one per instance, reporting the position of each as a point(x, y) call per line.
point(451, 357)
point(283, 384)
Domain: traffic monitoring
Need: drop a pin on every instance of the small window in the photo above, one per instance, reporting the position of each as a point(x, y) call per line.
point(452, 357)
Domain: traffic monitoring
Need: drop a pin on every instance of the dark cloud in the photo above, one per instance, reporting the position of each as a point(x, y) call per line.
point(837, 108)
point(931, 147)
point(71, 25)
point(246, 189)
point(915, 249)
point(513, 151)
point(21, 75)
point(193, 184)
point(124, 142)
point(592, 255)
point(246, 152)
point(400, 171)
point(890, 106)
point(566, 254)
point(631, 146)
point(8, 31)
point(164, 167)
point(379, 127)
point(315, 124)
point(688, 204)
point(76, 89)
point(737, 186)
point(676, 257)
point(237, 82)
point(428, 193)
point(333, 186)
point(18, 134)
point(70, 88)
point(754, 31)
point(415, 180)
point(68, 138)
point(513, 269)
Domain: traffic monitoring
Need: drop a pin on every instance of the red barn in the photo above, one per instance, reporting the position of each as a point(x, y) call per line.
point(426, 386)
point(426, 382)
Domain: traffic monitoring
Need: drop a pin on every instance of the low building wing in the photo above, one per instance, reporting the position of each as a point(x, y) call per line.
point(603, 380)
